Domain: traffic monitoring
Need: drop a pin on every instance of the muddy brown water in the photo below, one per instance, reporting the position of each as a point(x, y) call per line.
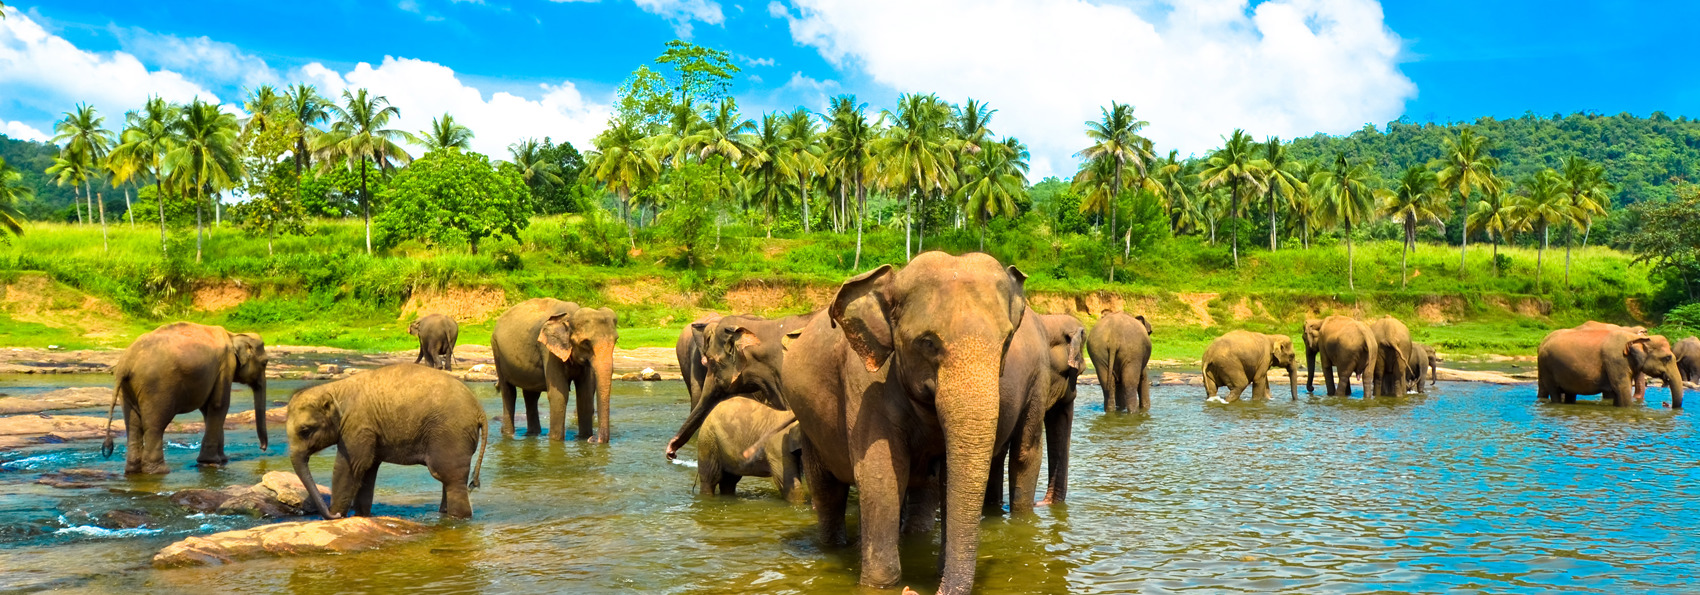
point(1475, 488)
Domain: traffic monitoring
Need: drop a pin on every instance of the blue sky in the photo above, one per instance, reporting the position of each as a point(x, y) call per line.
point(1194, 68)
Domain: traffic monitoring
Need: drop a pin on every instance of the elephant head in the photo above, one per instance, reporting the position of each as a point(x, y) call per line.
point(1313, 344)
point(586, 336)
point(1068, 343)
point(940, 328)
point(314, 424)
point(1142, 320)
point(1652, 355)
point(743, 354)
point(1281, 354)
point(251, 370)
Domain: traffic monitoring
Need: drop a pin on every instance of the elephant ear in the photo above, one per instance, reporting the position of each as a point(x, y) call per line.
point(1147, 323)
point(860, 309)
point(1017, 298)
point(413, 329)
point(1637, 347)
point(557, 336)
point(1077, 349)
point(249, 347)
point(699, 340)
point(785, 343)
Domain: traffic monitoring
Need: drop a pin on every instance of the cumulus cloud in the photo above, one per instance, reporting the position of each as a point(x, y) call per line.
point(683, 12)
point(215, 60)
point(45, 74)
point(20, 130)
point(1199, 70)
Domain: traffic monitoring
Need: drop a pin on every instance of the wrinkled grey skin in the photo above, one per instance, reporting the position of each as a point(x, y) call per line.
point(1688, 358)
point(1607, 360)
point(1394, 359)
point(402, 414)
point(770, 436)
point(178, 368)
point(1347, 347)
point(1120, 348)
point(1423, 368)
point(1023, 391)
point(1067, 347)
point(437, 337)
point(743, 356)
point(547, 345)
point(688, 350)
point(1243, 358)
point(902, 373)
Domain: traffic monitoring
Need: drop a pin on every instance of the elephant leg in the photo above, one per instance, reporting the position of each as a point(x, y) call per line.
point(1059, 424)
point(729, 484)
point(880, 479)
point(1210, 385)
point(921, 504)
point(1236, 389)
point(708, 470)
point(533, 417)
point(829, 496)
point(507, 391)
point(134, 430)
point(790, 481)
point(345, 482)
point(1144, 389)
point(1328, 373)
point(212, 441)
point(1026, 449)
point(368, 484)
point(557, 381)
point(585, 396)
point(1260, 387)
point(1107, 383)
point(994, 479)
point(1127, 391)
point(457, 500)
point(153, 442)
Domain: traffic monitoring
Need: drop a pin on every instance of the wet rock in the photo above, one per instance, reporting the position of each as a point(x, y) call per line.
point(256, 503)
point(338, 536)
point(23, 430)
point(329, 369)
point(81, 397)
point(199, 500)
point(125, 519)
point(650, 375)
point(631, 377)
point(279, 494)
point(288, 490)
point(76, 478)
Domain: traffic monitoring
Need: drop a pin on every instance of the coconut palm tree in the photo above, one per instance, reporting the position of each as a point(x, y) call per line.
point(12, 191)
point(720, 134)
point(1115, 138)
point(150, 134)
point(121, 172)
point(849, 147)
point(1173, 180)
point(1465, 167)
point(1495, 216)
point(446, 133)
point(1236, 166)
point(1302, 204)
point(305, 109)
point(1345, 197)
point(623, 162)
point(802, 155)
point(1416, 198)
point(994, 177)
point(71, 169)
point(527, 156)
point(81, 131)
point(1543, 203)
point(360, 137)
point(917, 157)
point(265, 110)
point(770, 169)
point(205, 160)
point(1278, 178)
point(1095, 182)
point(1589, 195)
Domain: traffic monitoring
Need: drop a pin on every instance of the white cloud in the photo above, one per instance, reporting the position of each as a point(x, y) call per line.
point(45, 73)
point(424, 90)
point(20, 130)
point(683, 12)
point(808, 91)
point(1285, 67)
point(212, 60)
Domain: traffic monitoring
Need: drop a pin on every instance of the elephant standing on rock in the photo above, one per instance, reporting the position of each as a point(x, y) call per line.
point(770, 437)
point(1424, 367)
point(688, 350)
point(743, 355)
point(1394, 360)
point(402, 414)
point(1347, 346)
point(1120, 347)
point(547, 345)
point(1067, 338)
point(1243, 358)
point(175, 369)
point(437, 337)
point(1688, 358)
point(1606, 360)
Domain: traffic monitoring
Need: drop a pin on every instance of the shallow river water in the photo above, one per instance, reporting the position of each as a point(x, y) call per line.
point(1474, 488)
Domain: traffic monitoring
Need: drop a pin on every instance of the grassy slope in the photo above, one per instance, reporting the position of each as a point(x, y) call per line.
point(321, 290)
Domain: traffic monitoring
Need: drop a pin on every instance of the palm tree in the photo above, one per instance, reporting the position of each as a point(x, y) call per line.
point(766, 160)
point(1495, 216)
point(1095, 182)
point(1173, 180)
point(1115, 138)
point(1416, 198)
point(149, 135)
point(122, 172)
point(802, 154)
point(1278, 178)
point(205, 160)
point(1235, 165)
point(71, 169)
point(526, 155)
point(720, 134)
point(623, 162)
point(1465, 167)
point(265, 110)
point(306, 109)
point(1345, 198)
point(995, 177)
point(359, 135)
point(1544, 203)
point(446, 133)
point(917, 156)
point(849, 155)
point(81, 132)
point(12, 191)
point(1302, 204)
point(1588, 192)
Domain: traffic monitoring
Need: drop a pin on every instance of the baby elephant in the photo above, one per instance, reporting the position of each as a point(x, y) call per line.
point(743, 437)
point(437, 336)
point(404, 414)
point(1423, 365)
point(1242, 358)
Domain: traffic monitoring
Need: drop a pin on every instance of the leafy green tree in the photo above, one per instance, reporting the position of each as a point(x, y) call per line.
point(265, 110)
point(82, 133)
point(274, 203)
point(802, 155)
point(1279, 178)
point(768, 167)
point(563, 193)
point(700, 73)
point(12, 191)
point(1116, 141)
point(1302, 203)
point(1173, 178)
point(452, 197)
point(446, 133)
point(359, 136)
point(687, 218)
point(1494, 215)
point(644, 99)
point(721, 139)
point(537, 171)
point(849, 156)
point(1669, 238)
point(1544, 203)
point(1345, 197)
point(1589, 193)
point(1465, 167)
point(624, 163)
point(915, 156)
point(206, 159)
point(996, 176)
point(1236, 166)
point(150, 135)
point(1417, 198)
point(72, 169)
point(305, 110)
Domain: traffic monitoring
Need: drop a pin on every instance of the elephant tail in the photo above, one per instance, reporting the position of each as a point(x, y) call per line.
point(107, 447)
point(483, 445)
point(755, 450)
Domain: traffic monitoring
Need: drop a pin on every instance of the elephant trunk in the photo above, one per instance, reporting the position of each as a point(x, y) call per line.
point(1293, 380)
point(1310, 369)
point(299, 458)
point(260, 412)
point(603, 363)
point(711, 396)
point(967, 402)
point(1673, 380)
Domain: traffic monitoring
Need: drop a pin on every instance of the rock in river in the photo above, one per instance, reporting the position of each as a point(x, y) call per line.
point(338, 536)
point(279, 494)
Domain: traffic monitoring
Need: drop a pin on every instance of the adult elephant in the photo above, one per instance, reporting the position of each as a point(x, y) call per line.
point(547, 345)
point(1393, 360)
point(401, 414)
point(904, 372)
point(688, 349)
point(1347, 346)
point(1120, 347)
point(1067, 345)
point(1605, 360)
point(1423, 368)
point(1243, 358)
point(743, 355)
point(1024, 389)
point(437, 337)
point(1688, 358)
point(175, 369)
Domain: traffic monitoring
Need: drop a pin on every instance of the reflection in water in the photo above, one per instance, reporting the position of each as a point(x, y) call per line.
point(1472, 488)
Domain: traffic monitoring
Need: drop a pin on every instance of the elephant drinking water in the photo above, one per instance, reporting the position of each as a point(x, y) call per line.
point(178, 368)
point(1243, 358)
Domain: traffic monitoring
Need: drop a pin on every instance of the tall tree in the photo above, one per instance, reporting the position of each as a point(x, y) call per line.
point(1173, 177)
point(305, 110)
point(1236, 166)
point(266, 109)
point(623, 162)
point(12, 191)
point(1302, 204)
point(1465, 167)
point(149, 135)
point(1544, 203)
point(916, 156)
point(850, 142)
point(701, 73)
point(802, 155)
point(1589, 194)
point(360, 137)
point(1417, 198)
point(1116, 140)
point(446, 133)
point(769, 168)
point(72, 169)
point(82, 132)
point(206, 160)
point(1279, 178)
point(535, 169)
point(1495, 216)
point(1345, 197)
point(995, 176)
point(720, 139)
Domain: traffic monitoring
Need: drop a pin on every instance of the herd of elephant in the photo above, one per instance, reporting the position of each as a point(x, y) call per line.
point(917, 386)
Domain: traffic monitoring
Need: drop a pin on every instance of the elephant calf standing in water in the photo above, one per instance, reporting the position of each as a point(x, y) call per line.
point(1120, 347)
point(744, 438)
point(1242, 358)
point(1607, 360)
point(437, 337)
point(178, 368)
point(1688, 359)
point(1424, 366)
point(403, 414)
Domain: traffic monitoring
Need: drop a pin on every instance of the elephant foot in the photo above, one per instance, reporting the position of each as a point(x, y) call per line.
point(149, 469)
point(1216, 400)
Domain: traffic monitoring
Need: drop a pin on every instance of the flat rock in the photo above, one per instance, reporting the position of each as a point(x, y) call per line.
point(125, 519)
point(287, 489)
point(82, 397)
point(338, 536)
point(200, 500)
point(76, 478)
point(256, 503)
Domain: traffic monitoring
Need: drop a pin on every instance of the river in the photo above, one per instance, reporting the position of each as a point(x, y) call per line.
point(1473, 488)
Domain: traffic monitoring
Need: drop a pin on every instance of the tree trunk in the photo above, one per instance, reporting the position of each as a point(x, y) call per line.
point(1463, 235)
point(159, 200)
point(1545, 236)
point(1405, 253)
point(861, 213)
point(1351, 274)
point(77, 203)
point(908, 226)
point(1272, 237)
point(921, 225)
point(1569, 238)
point(982, 236)
point(127, 210)
point(1585, 231)
point(197, 230)
point(625, 217)
point(803, 193)
point(1234, 215)
point(366, 206)
point(1496, 269)
point(105, 242)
